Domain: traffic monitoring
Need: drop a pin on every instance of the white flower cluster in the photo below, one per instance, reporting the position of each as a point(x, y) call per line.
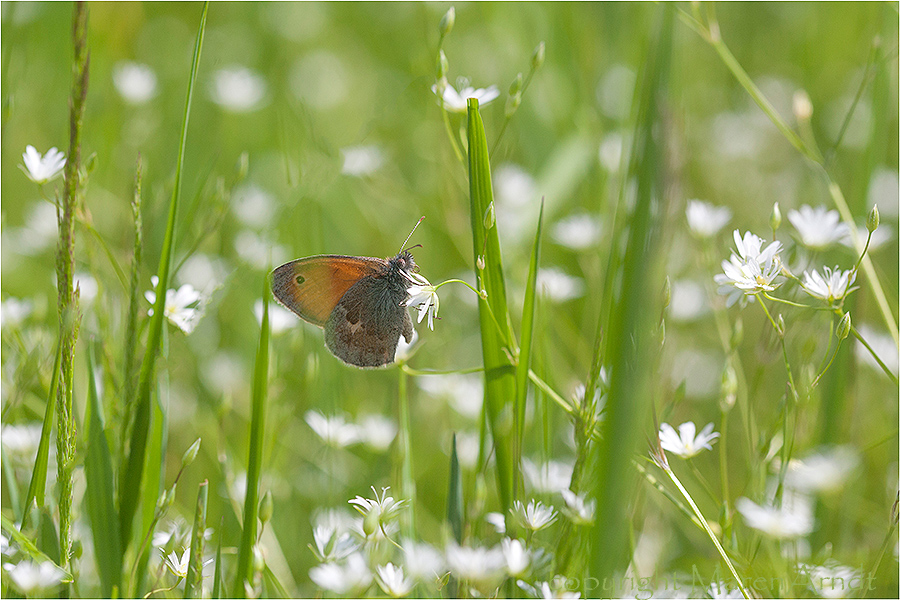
point(353, 556)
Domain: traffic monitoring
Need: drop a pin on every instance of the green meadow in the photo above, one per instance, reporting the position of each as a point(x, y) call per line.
point(655, 300)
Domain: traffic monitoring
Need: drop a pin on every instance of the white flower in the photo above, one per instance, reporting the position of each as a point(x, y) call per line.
point(422, 561)
point(706, 220)
point(579, 510)
point(549, 477)
point(361, 160)
point(381, 510)
point(377, 432)
point(476, 565)
point(39, 232)
point(454, 101)
point(497, 520)
point(833, 580)
point(13, 311)
point(238, 89)
point(183, 307)
point(30, 577)
point(342, 577)
point(136, 83)
point(424, 295)
point(390, 579)
point(334, 431)
point(833, 286)
point(818, 227)
point(825, 471)
point(577, 232)
point(179, 566)
point(516, 555)
point(542, 590)
point(41, 169)
point(559, 286)
point(87, 287)
point(687, 442)
point(280, 318)
point(534, 516)
point(754, 271)
point(793, 519)
point(332, 545)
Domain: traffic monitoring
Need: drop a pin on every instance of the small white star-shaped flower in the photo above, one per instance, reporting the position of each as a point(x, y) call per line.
point(833, 286)
point(818, 227)
point(454, 101)
point(41, 169)
point(183, 307)
point(686, 442)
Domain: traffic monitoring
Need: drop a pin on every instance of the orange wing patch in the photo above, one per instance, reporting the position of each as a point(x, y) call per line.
point(312, 287)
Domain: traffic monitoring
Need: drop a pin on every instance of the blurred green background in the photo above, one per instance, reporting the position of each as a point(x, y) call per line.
point(331, 105)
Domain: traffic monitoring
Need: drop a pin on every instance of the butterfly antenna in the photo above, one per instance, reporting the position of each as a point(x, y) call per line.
point(422, 218)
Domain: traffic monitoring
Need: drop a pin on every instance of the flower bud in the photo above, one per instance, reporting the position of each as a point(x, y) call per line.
point(259, 560)
point(447, 21)
point(512, 105)
point(803, 108)
point(443, 65)
point(843, 329)
point(190, 454)
point(479, 262)
point(516, 85)
point(489, 218)
point(537, 58)
point(873, 219)
point(779, 325)
point(775, 217)
point(371, 523)
point(91, 163)
point(266, 507)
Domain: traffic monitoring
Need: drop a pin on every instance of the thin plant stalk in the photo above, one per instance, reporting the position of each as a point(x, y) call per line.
point(69, 317)
point(407, 482)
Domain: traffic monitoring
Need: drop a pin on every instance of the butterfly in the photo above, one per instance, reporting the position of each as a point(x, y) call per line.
point(359, 301)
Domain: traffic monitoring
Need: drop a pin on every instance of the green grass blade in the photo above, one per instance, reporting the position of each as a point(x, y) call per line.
point(152, 485)
point(12, 487)
point(273, 586)
point(524, 365)
point(254, 463)
point(23, 542)
point(630, 346)
point(455, 510)
point(217, 575)
point(194, 577)
point(132, 474)
point(493, 315)
point(38, 484)
point(100, 490)
point(129, 376)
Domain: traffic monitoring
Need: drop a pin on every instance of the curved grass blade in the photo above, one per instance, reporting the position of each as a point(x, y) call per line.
point(38, 483)
point(493, 313)
point(195, 566)
point(254, 462)
point(217, 575)
point(630, 344)
point(132, 474)
point(524, 365)
point(100, 490)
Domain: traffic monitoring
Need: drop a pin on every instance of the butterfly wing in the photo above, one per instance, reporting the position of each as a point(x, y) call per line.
point(365, 326)
point(312, 287)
